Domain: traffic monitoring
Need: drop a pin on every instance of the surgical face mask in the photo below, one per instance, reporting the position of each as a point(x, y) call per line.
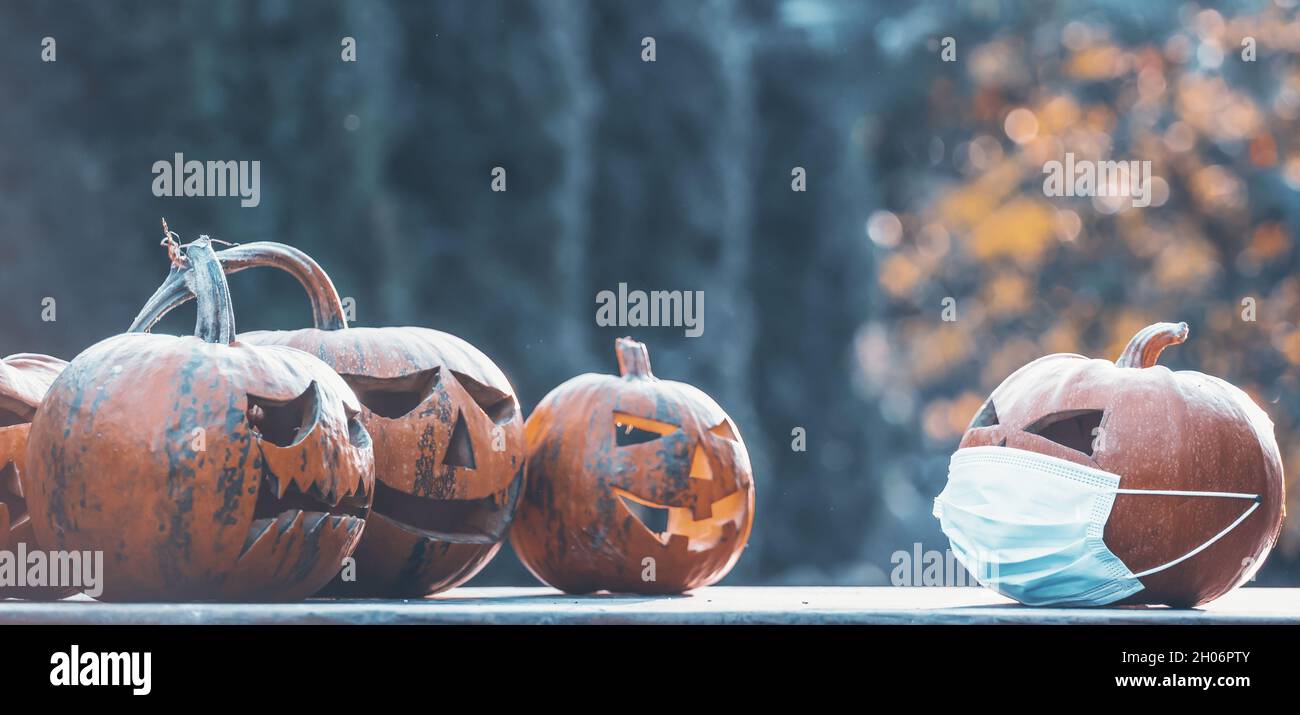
point(1030, 526)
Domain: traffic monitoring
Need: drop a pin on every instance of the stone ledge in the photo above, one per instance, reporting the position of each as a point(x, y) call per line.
point(720, 605)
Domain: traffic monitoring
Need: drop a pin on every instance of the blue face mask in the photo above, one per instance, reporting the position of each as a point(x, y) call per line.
point(1030, 526)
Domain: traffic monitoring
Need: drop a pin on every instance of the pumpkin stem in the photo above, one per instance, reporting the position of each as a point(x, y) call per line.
point(633, 358)
point(326, 307)
point(1145, 347)
point(170, 240)
point(216, 316)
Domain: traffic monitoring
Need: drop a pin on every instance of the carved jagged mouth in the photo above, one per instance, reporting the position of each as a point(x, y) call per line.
point(459, 521)
point(664, 521)
point(282, 505)
point(653, 518)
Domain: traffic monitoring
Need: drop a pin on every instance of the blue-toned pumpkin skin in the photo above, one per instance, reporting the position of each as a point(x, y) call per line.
point(204, 468)
point(447, 431)
point(24, 379)
point(1158, 430)
point(607, 456)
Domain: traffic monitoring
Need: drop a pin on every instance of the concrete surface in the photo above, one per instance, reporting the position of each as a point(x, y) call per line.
point(721, 605)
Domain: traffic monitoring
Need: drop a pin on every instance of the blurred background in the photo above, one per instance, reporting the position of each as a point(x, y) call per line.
point(823, 307)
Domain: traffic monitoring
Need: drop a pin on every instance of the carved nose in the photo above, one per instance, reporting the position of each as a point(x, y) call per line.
point(700, 465)
point(460, 449)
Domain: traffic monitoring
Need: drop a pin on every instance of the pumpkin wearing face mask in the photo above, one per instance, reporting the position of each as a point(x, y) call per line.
point(634, 484)
point(1178, 473)
point(24, 378)
point(203, 467)
point(447, 431)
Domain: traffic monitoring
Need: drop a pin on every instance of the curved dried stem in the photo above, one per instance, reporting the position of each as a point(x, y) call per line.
point(1145, 347)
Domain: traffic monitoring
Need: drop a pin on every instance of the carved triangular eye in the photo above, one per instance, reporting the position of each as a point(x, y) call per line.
point(394, 397)
point(630, 429)
point(1075, 429)
point(986, 417)
point(285, 423)
point(723, 430)
point(497, 405)
point(460, 450)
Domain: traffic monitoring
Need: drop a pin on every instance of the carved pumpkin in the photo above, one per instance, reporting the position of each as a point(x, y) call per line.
point(445, 421)
point(24, 378)
point(1158, 430)
point(634, 484)
point(204, 468)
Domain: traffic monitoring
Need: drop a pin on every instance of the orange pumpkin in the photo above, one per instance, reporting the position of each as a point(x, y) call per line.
point(204, 468)
point(634, 484)
point(446, 424)
point(1158, 430)
point(24, 378)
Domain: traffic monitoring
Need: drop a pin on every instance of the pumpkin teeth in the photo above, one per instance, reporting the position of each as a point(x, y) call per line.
point(313, 521)
point(654, 517)
point(725, 517)
point(272, 483)
point(282, 496)
point(314, 491)
point(307, 522)
point(337, 520)
point(287, 520)
point(305, 482)
point(255, 532)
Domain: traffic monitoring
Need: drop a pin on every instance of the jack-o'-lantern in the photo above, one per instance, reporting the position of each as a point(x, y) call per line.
point(446, 425)
point(1198, 499)
point(204, 468)
point(24, 378)
point(634, 484)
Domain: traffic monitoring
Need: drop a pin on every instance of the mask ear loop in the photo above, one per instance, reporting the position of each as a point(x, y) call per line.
point(1206, 545)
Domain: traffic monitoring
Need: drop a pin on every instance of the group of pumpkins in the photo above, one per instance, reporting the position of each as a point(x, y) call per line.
point(249, 467)
point(224, 466)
